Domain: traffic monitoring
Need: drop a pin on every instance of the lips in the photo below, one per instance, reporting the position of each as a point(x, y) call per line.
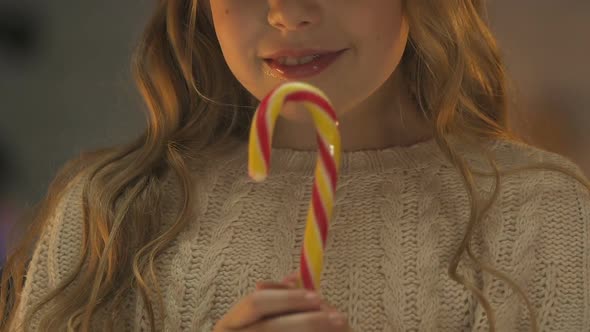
point(298, 53)
point(316, 66)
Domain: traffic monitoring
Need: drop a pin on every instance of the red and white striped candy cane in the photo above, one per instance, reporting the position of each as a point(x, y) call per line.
point(326, 171)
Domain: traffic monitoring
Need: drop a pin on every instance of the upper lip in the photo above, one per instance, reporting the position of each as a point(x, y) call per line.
point(297, 53)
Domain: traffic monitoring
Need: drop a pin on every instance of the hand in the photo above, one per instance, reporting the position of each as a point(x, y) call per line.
point(290, 282)
point(279, 308)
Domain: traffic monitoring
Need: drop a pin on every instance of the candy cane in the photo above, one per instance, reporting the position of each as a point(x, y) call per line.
point(326, 171)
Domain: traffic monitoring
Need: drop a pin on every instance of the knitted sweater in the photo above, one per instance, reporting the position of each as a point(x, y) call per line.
point(400, 215)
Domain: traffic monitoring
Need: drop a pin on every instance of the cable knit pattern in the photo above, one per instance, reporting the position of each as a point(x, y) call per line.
point(400, 214)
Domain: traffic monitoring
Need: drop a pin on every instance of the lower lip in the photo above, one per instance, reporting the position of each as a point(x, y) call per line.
point(305, 70)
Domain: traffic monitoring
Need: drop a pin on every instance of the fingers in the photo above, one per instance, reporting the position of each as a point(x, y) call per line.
point(269, 302)
point(274, 285)
point(307, 321)
point(291, 277)
point(289, 281)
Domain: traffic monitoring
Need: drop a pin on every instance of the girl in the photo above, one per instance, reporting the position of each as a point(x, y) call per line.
point(444, 220)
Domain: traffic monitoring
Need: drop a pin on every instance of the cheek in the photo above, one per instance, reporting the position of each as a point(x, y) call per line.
point(387, 35)
point(376, 24)
point(235, 30)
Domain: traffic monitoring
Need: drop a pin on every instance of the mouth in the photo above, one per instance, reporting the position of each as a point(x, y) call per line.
point(294, 67)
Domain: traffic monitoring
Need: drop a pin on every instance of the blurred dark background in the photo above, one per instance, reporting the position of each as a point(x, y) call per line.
point(65, 86)
point(65, 82)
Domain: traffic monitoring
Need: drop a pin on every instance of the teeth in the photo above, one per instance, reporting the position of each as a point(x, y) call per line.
point(290, 61)
point(307, 59)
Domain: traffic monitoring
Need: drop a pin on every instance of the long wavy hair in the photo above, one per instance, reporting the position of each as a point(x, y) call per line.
point(451, 65)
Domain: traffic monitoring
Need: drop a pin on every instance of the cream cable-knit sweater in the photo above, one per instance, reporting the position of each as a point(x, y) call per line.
point(399, 217)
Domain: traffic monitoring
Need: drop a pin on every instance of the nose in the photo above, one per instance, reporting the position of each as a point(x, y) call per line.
point(292, 15)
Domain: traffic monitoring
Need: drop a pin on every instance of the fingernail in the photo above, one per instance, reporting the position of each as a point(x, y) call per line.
point(312, 296)
point(336, 318)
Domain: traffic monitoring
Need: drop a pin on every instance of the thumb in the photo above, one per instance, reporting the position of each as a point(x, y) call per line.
point(273, 285)
point(292, 277)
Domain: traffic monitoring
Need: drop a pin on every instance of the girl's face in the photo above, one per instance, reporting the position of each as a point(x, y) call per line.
point(373, 32)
